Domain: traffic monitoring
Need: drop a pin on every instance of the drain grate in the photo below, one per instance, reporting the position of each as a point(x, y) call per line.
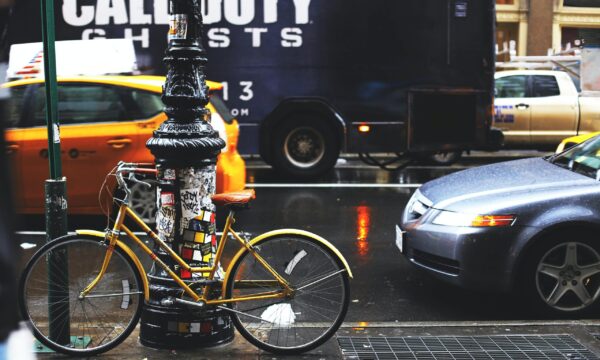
point(465, 347)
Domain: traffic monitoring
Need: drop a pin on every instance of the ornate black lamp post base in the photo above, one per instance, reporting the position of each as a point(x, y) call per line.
point(184, 328)
point(186, 148)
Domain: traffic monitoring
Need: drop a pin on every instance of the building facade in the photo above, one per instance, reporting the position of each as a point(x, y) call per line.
point(538, 25)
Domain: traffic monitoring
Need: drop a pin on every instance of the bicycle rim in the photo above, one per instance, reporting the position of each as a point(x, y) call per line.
point(50, 296)
point(300, 322)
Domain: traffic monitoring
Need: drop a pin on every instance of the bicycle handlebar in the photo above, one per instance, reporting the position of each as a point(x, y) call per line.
point(132, 169)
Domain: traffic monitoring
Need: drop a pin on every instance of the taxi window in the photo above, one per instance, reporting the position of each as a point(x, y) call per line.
point(545, 85)
point(81, 104)
point(147, 104)
point(511, 86)
point(14, 107)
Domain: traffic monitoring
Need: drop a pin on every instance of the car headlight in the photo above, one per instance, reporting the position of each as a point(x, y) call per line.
point(449, 218)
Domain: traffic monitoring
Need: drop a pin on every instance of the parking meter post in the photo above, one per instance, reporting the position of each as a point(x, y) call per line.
point(185, 147)
point(55, 190)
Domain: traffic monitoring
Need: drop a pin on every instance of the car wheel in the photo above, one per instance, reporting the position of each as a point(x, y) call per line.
point(305, 148)
point(564, 276)
point(143, 201)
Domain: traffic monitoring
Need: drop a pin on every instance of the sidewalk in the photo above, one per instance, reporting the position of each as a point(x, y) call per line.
point(413, 340)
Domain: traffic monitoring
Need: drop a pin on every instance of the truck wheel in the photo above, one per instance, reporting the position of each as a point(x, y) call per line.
point(445, 158)
point(305, 148)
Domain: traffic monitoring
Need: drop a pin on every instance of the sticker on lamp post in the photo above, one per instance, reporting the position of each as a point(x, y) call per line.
point(178, 27)
point(56, 133)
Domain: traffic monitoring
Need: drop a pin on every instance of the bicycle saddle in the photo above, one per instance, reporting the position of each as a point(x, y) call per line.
point(235, 199)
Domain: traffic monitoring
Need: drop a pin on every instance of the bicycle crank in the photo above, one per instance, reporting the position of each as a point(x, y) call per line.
point(170, 301)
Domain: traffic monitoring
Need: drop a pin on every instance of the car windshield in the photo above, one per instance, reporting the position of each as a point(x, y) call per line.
point(583, 158)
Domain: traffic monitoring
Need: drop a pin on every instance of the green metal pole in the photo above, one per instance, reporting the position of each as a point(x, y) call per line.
point(55, 191)
point(51, 89)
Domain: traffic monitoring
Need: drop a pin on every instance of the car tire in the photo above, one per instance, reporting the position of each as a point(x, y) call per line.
point(305, 147)
point(562, 276)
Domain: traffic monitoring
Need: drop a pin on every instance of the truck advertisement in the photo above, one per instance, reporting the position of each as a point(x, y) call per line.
point(308, 79)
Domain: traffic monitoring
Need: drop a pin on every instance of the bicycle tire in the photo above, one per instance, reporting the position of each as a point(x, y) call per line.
point(288, 326)
point(97, 323)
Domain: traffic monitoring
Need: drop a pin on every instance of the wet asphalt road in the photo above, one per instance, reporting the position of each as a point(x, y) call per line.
point(356, 208)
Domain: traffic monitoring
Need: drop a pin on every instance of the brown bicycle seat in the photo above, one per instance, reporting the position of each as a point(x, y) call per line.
point(235, 199)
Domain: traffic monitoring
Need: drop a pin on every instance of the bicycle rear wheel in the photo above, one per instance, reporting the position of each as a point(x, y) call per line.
point(303, 320)
point(50, 296)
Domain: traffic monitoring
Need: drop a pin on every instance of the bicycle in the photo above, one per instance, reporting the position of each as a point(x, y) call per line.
point(287, 291)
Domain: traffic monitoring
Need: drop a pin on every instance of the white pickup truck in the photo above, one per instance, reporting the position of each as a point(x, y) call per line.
point(538, 108)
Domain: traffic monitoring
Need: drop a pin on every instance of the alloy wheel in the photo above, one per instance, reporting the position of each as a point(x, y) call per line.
point(568, 276)
point(143, 201)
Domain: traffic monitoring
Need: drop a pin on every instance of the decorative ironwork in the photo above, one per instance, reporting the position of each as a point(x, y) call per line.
point(185, 147)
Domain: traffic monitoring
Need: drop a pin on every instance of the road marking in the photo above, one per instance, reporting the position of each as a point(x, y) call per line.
point(419, 324)
point(347, 186)
point(375, 168)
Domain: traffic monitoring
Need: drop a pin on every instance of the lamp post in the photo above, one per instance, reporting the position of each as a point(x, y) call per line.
point(185, 147)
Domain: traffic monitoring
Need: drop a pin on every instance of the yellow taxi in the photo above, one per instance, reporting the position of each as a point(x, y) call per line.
point(104, 119)
point(574, 140)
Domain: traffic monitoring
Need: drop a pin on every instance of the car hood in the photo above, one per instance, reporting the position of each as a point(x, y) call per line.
point(484, 186)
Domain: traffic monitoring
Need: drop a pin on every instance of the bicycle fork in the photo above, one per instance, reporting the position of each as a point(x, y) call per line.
point(111, 237)
point(107, 257)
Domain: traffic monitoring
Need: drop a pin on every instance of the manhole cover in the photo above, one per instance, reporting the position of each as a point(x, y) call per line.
point(465, 347)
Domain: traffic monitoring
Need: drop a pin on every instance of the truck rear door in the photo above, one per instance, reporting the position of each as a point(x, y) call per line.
point(553, 112)
point(513, 113)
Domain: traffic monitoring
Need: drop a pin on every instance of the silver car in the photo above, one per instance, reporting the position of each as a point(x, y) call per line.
point(531, 224)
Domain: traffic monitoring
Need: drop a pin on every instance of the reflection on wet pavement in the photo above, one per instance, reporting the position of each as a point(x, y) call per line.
point(363, 222)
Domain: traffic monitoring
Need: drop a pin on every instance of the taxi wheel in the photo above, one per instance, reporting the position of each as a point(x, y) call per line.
point(562, 275)
point(305, 148)
point(143, 201)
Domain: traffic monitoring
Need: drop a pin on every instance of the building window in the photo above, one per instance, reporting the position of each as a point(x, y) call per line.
point(580, 36)
point(505, 33)
point(582, 3)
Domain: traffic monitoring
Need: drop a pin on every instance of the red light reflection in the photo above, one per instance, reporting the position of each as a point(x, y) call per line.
point(363, 223)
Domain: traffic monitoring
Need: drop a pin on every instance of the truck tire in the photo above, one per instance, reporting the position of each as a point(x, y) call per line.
point(442, 158)
point(305, 147)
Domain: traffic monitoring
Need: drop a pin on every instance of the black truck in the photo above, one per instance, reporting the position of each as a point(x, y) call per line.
point(308, 79)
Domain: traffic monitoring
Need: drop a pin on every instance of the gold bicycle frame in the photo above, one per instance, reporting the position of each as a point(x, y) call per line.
point(112, 237)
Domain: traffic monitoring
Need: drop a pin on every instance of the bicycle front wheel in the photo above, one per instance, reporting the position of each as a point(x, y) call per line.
point(302, 320)
point(65, 321)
